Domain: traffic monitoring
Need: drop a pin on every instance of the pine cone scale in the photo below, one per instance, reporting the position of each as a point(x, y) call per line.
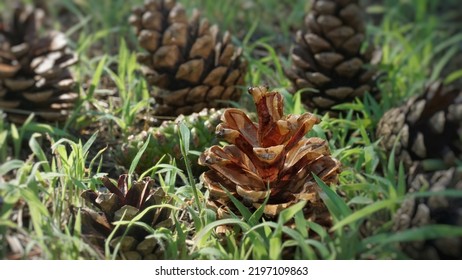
point(215, 183)
point(8, 70)
point(224, 164)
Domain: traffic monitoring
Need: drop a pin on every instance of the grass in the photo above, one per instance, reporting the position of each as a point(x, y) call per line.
point(44, 168)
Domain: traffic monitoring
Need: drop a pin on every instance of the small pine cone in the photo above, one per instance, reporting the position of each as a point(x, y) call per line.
point(191, 64)
point(125, 202)
point(165, 141)
point(272, 154)
point(429, 126)
point(328, 58)
point(34, 70)
point(438, 209)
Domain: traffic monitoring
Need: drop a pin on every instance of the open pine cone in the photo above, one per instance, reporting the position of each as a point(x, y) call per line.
point(123, 203)
point(34, 69)
point(189, 61)
point(269, 158)
point(429, 126)
point(437, 209)
point(327, 58)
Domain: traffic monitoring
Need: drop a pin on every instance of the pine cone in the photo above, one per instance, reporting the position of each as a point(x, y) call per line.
point(189, 61)
point(328, 58)
point(165, 141)
point(421, 211)
point(429, 126)
point(34, 70)
point(273, 153)
point(124, 203)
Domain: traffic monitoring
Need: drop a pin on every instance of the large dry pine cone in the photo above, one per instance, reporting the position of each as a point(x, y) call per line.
point(437, 209)
point(327, 59)
point(269, 158)
point(34, 69)
point(189, 61)
point(428, 126)
point(123, 203)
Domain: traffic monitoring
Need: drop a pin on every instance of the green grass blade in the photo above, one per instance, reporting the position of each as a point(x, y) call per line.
point(415, 234)
point(10, 165)
point(289, 213)
point(364, 212)
point(337, 207)
point(138, 156)
point(39, 153)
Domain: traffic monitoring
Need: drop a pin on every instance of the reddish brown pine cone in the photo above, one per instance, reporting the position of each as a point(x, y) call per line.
point(269, 158)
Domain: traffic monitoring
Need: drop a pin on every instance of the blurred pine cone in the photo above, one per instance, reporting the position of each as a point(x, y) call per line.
point(429, 126)
point(123, 203)
point(328, 58)
point(189, 61)
point(165, 141)
point(34, 69)
point(271, 158)
point(437, 209)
